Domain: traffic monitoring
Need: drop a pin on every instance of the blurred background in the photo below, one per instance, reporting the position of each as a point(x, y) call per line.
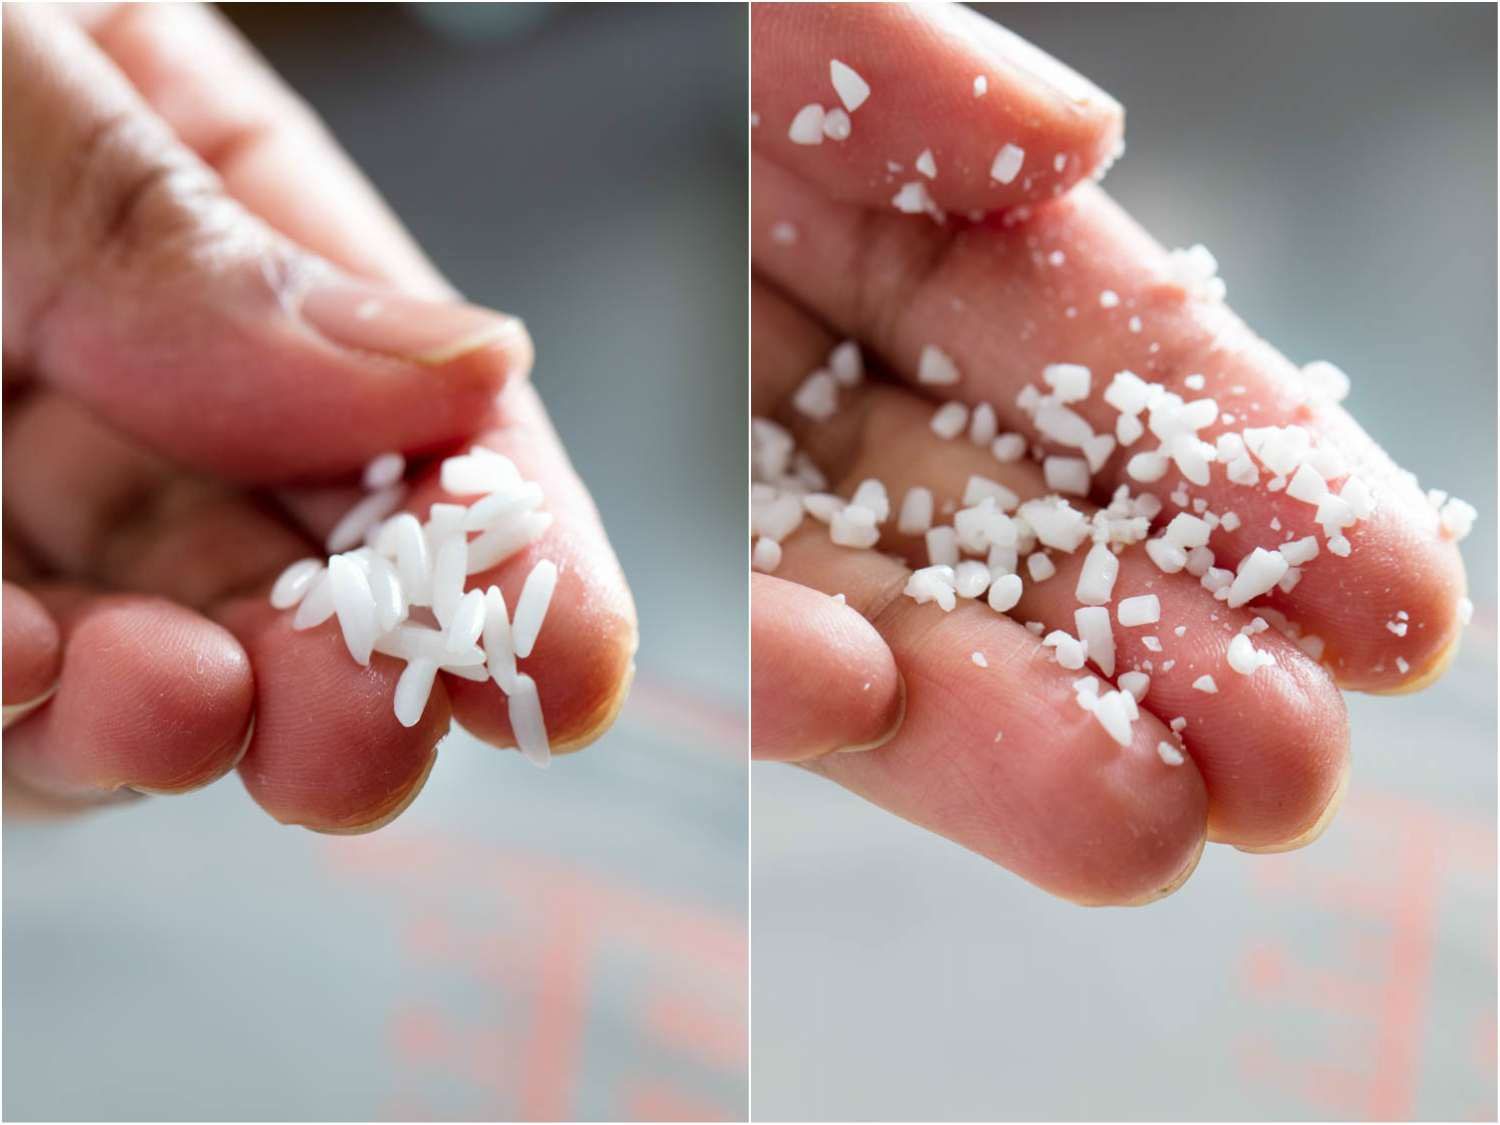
point(519, 944)
point(1340, 161)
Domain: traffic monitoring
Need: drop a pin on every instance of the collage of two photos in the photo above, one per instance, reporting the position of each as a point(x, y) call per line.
point(749, 562)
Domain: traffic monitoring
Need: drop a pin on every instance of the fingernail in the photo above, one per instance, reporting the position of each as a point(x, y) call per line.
point(12, 712)
point(1325, 818)
point(353, 314)
point(891, 731)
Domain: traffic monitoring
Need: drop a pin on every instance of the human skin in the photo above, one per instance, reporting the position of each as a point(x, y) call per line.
point(211, 323)
point(1000, 759)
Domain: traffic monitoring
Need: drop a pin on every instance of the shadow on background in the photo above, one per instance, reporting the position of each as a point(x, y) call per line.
point(568, 944)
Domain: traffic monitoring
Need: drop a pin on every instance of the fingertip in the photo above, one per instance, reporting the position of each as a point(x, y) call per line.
point(943, 81)
point(182, 718)
point(823, 679)
point(1272, 780)
point(1429, 621)
point(399, 802)
point(33, 652)
point(583, 664)
point(1315, 830)
point(327, 751)
point(151, 696)
point(1178, 882)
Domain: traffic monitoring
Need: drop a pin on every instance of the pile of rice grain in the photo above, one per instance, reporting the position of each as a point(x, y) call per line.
point(402, 592)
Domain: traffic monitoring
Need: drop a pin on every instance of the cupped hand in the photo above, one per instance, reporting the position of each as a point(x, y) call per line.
point(211, 323)
point(975, 731)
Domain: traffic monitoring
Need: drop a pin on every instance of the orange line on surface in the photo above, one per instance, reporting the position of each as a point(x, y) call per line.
point(1392, 1093)
point(555, 1044)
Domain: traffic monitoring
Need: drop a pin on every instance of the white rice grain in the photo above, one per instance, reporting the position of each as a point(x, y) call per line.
point(294, 582)
point(1143, 609)
point(846, 364)
point(851, 88)
point(443, 522)
point(499, 507)
point(1007, 163)
point(413, 689)
point(1245, 658)
point(408, 544)
point(357, 522)
point(983, 426)
point(818, 396)
point(949, 420)
point(936, 368)
point(932, 584)
point(499, 543)
point(971, 578)
point(449, 568)
point(467, 624)
point(871, 494)
point(410, 641)
point(913, 199)
point(316, 606)
point(1092, 623)
point(942, 546)
point(1005, 592)
point(354, 604)
point(854, 526)
point(1069, 652)
point(383, 471)
point(766, 555)
point(916, 512)
point(1068, 475)
point(1096, 581)
point(1008, 448)
point(531, 607)
point(1113, 714)
point(499, 647)
point(807, 125)
point(478, 473)
point(1326, 380)
point(1258, 573)
point(527, 723)
point(391, 606)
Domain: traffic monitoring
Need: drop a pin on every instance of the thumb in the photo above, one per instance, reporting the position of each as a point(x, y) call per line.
point(134, 282)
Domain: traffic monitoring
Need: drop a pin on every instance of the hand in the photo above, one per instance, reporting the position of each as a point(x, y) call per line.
point(1001, 758)
point(204, 299)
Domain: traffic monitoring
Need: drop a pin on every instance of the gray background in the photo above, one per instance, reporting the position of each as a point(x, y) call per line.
point(1340, 162)
point(569, 943)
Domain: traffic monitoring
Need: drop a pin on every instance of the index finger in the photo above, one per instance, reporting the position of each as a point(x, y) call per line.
point(956, 110)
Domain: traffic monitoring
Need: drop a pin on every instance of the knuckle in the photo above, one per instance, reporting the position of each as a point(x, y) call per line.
point(128, 194)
